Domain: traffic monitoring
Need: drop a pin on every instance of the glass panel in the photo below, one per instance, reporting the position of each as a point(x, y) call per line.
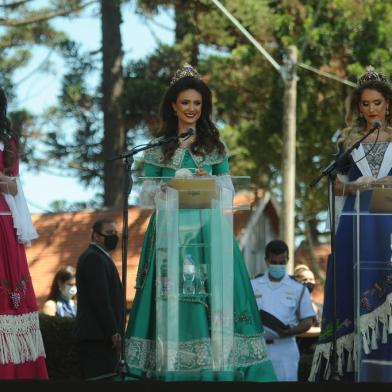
point(194, 278)
point(167, 283)
point(372, 234)
point(222, 312)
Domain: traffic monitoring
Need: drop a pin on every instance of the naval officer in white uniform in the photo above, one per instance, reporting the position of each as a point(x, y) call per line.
point(289, 301)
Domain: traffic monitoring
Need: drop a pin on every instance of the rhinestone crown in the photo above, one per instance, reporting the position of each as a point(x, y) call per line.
point(371, 75)
point(186, 71)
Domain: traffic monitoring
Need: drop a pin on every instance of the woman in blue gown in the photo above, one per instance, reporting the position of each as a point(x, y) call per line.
point(187, 348)
point(364, 266)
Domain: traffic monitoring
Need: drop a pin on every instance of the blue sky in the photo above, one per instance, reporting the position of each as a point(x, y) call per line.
point(40, 90)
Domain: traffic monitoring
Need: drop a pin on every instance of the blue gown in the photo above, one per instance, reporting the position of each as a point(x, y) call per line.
point(375, 295)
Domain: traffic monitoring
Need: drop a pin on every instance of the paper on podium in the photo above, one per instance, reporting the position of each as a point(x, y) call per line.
point(381, 201)
point(195, 192)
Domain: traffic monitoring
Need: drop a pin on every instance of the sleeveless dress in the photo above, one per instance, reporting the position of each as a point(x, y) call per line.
point(193, 358)
point(66, 308)
point(22, 354)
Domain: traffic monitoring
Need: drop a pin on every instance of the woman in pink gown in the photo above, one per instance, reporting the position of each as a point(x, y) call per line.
point(22, 354)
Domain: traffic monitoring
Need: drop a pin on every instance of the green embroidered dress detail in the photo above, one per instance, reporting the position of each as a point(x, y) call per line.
point(193, 358)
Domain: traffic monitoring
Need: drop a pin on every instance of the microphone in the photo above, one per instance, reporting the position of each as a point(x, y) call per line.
point(189, 132)
point(376, 124)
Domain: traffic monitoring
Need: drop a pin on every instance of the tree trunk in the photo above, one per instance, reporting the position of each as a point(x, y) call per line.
point(287, 218)
point(112, 90)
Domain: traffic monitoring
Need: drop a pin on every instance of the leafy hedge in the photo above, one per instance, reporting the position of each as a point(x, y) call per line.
point(61, 356)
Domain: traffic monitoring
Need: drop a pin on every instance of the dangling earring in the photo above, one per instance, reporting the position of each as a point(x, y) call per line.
point(360, 115)
point(387, 112)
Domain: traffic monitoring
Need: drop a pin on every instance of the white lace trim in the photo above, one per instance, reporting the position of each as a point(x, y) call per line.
point(193, 355)
point(370, 339)
point(20, 338)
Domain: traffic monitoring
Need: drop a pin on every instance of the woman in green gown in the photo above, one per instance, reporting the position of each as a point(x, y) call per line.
point(201, 336)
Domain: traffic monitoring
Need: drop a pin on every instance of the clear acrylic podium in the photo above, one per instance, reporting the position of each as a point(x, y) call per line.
point(372, 233)
point(194, 272)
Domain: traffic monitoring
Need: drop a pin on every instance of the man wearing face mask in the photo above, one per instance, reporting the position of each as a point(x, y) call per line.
point(99, 318)
point(286, 311)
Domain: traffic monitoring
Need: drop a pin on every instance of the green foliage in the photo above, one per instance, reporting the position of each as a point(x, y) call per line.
point(341, 37)
point(79, 109)
point(23, 30)
point(61, 356)
point(17, 41)
point(64, 205)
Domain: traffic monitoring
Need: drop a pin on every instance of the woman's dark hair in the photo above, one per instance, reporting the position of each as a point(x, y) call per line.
point(207, 135)
point(7, 136)
point(65, 273)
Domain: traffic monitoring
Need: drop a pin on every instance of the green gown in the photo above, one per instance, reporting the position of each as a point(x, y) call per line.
point(193, 359)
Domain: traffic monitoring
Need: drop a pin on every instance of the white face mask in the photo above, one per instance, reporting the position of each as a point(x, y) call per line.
point(69, 291)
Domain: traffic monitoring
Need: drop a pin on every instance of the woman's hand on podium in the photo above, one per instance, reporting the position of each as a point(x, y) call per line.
point(387, 180)
point(163, 188)
point(201, 172)
point(362, 183)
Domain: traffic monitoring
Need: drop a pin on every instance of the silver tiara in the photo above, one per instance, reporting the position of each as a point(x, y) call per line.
point(371, 75)
point(186, 71)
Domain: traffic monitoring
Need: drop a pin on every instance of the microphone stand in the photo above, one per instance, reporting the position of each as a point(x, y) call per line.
point(122, 368)
point(331, 171)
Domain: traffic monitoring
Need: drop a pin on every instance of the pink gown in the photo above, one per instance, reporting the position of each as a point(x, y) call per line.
point(22, 354)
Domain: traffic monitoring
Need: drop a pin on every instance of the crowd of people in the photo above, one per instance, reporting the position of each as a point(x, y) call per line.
point(196, 314)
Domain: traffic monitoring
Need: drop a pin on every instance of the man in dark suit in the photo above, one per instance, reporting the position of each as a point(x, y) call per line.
point(99, 319)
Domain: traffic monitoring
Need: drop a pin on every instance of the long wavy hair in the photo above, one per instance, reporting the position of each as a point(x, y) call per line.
point(356, 123)
point(66, 272)
point(9, 138)
point(207, 135)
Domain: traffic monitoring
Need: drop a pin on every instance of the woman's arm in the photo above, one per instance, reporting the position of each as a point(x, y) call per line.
point(349, 188)
point(8, 185)
point(221, 168)
point(49, 308)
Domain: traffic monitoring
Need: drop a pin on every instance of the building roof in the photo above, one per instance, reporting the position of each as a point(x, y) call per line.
point(63, 236)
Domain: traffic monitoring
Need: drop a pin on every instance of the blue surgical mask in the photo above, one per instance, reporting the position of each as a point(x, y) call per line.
point(277, 271)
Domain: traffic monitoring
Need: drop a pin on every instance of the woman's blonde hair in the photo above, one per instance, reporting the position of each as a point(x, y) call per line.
point(356, 123)
point(299, 269)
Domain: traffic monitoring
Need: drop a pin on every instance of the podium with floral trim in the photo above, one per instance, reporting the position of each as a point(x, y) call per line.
point(372, 232)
